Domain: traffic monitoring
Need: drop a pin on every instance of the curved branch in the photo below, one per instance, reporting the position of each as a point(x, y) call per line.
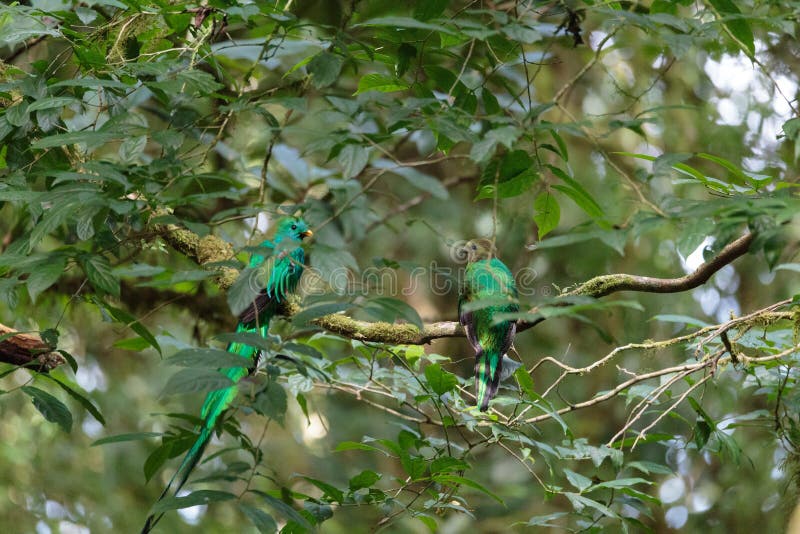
point(601, 286)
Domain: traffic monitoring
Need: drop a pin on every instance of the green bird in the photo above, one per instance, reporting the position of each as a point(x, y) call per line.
point(269, 282)
point(489, 286)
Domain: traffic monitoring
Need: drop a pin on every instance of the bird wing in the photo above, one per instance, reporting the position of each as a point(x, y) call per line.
point(466, 318)
point(276, 277)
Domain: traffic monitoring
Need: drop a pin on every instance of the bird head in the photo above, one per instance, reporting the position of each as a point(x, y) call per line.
point(293, 228)
point(480, 249)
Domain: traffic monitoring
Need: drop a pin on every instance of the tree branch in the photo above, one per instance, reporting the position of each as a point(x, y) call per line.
point(213, 250)
point(27, 350)
point(601, 286)
point(205, 251)
point(380, 332)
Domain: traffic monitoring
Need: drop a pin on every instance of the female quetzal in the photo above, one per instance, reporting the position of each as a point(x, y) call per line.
point(489, 286)
point(269, 280)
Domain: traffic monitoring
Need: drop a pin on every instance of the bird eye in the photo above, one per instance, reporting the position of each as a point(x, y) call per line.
point(474, 247)
point(294, 227)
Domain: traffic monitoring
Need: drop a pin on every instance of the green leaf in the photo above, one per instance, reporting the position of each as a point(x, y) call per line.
point(306, 315)
point(365, 479)
point(670, 160)
point(45, 274)
point(415, 466)
point(320, 512)
point(736, 24)
point(263, 522)
point(98, 271)
point(325, 68)
point(580, 482)
point(83, 401)
point(429, 9)
point(131, 322)
point(72, 138)
point(441, 381)
point(50, 407)
point(423, 181)
point(621, 483)
point(727, 447)
point(791, 129)
point(119, 438)
point(353, 159)
point(195, 498)
point(445, 464)
point(545, 520)
point(246, 288)
point(579, 502)
point(89, 83)
point(702, 413)
point(547, 213)
point(404, 22)
point(575, 191)
point(284, 509)
point(195, 380)
point(388, 309)
point(380, 83)
point(17, 115)
point(513, 175)
point(734, 170)
point(271, 402)
point(208, 358)
point(52, 102)
point(195, 80)
point(138, 270)
point(134, 344)
point(157, 458)
point(427, 520)
point(525, 382)
point(458, 480)
point(521, 33)
point(650, 467)
point(52, 219)
point(355, 446)
point(642, 496)
point(405, 54)
point(329, 261)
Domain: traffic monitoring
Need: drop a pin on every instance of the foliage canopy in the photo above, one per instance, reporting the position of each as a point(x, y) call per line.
point(144, 145)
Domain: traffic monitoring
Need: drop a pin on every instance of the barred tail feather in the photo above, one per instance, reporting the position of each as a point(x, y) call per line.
point(488, 367)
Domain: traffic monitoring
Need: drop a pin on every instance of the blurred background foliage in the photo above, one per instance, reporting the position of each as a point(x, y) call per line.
point(586, 137)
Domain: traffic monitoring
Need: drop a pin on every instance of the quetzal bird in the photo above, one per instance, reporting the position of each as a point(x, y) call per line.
point(271, 278)
point(487, 280)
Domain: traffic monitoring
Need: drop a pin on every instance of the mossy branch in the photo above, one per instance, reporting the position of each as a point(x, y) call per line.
point(601, 286)
point(209, 251)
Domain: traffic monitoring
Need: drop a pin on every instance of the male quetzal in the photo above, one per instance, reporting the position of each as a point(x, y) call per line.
point(269, 282)
point(487, 280)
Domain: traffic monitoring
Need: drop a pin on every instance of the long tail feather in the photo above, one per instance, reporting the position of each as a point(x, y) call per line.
point(488, 367)
point(215, 404)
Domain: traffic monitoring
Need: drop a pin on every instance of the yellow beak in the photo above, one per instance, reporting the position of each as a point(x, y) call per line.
point(307, 233)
